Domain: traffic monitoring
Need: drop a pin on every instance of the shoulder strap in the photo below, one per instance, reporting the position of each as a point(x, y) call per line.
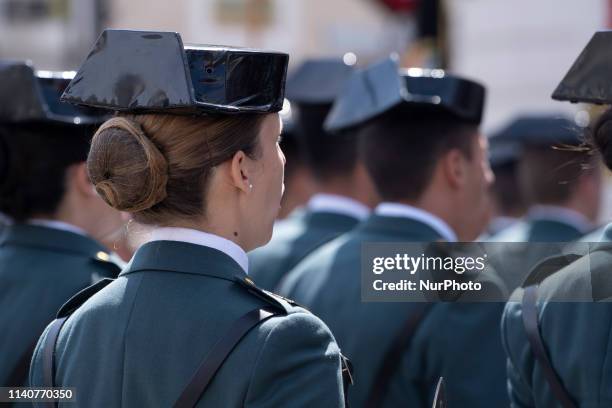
point(48, 356)
point(81, 297)
point(440, 395)
point(219, 352)
point(392, 357)
point(548, 266)
point(273, 299)
point(347, 377)
point(530, 322)
point(48, 347)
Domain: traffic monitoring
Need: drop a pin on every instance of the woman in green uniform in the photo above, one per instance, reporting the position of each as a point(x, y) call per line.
point(194, 156)
point(556, 329)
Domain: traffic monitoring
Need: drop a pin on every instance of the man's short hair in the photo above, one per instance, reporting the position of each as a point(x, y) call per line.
point(327, 155)
point(400, 149)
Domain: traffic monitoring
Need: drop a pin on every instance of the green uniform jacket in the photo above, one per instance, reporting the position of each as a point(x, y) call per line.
point(293, 239)
point(576, 336)
point(460, 341)
point(41, 268)
point(543, 238)
point(138, 341)
point(601, 234)
point(538, 230)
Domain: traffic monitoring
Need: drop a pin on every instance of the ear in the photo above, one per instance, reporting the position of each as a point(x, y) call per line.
point(78, 179)
point(240, 174)
point(453, 168)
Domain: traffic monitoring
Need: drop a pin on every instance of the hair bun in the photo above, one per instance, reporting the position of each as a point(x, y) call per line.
point(127, 169)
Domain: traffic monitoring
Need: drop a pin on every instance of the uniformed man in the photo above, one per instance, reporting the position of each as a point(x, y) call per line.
point(563, 186)
point(421, 144)
point(197, 160)
point(556, 331)
point(299, 183)
point(561, 183)
point(509, 205)
point(51, 249)
point(344, 191)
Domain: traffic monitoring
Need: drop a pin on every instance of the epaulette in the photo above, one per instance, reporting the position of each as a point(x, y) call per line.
point(81, 297)
point(547, 267)
point(272, 298)
point(110, 262)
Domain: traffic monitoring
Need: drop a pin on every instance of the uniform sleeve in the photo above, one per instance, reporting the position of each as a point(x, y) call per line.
point(35, 378)
point(298, 366)
point(515, 344)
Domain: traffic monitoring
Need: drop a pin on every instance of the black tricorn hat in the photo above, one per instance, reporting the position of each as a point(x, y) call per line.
point(317, 81)
point(540, 130)
point(145, 71)
point(503, 152)
point(382, 87)
point(27, 95)
point(589, 79)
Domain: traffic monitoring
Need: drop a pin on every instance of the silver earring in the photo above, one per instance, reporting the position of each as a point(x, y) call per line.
point(250, 186)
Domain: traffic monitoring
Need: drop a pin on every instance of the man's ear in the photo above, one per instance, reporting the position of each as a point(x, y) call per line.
point(78, 179)
point(453, 165)
point(239, 172)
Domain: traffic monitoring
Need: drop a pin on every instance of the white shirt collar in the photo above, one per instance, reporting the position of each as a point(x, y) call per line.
point(338, 204)
point(59, 225)
point(560, 214)
point(407, 211)
point(501, 222)
point(196, 237)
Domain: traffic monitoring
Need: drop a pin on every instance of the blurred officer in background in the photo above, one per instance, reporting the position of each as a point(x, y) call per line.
point(558, 352)
point(421, 144)
point(561, 182)
point(198, 161)
point(52, 248)
point(508, 203)
point(299, 183)
point(345, 192)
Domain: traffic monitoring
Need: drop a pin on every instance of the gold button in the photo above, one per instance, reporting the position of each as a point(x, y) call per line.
point(103, 256)
point(249, 281)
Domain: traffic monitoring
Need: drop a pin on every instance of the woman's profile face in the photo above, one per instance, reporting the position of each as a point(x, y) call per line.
point(268, 183)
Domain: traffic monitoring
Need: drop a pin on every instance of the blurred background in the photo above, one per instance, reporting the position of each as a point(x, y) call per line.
point(520, 50)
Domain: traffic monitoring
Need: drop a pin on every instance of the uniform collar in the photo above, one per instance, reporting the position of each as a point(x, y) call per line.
point(184, 257)
point(60, 225)
point(333, 203)
point(53, 239)
point(561, 215)
point(202, 238)
point(436, 223)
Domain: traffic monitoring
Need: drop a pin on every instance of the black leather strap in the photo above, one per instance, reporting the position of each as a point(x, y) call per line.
point(219, 352)
point(48, 351)
point(347, 377)
point(530, 322)
point(440, 395)
point(393, 356)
